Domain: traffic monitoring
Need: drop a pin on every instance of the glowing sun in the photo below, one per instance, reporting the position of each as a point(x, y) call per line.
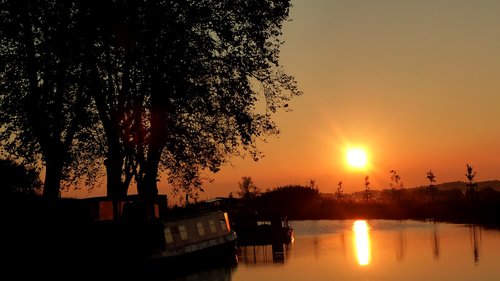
point(356, 158)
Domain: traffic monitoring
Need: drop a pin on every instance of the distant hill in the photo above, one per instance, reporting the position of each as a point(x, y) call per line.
point(495, 184)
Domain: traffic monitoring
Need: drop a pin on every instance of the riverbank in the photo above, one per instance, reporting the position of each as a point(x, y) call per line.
point(481, 212)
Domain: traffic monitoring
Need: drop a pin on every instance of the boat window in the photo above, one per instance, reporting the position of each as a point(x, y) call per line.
point(211, 223)
point(183, 232)
point(223, 225)
point(168, 236)
point(201, 229)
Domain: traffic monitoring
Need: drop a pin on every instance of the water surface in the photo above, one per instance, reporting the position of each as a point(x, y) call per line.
point(372, 250)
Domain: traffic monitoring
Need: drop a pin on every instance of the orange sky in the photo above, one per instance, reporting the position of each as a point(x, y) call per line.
point(415, 82)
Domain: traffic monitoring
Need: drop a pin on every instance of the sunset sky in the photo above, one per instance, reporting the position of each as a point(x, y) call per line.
point(416, 83)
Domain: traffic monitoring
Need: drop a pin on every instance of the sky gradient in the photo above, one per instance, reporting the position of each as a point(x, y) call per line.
point(416, 83)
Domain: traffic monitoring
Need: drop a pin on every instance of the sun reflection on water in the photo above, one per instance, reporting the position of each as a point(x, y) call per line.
point(362, 242)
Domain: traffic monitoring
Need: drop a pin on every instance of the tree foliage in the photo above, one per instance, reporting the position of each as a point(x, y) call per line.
point(18, 179)
point(431, 177)
point(470, 174)
point(173, 86)
point(367, 183)
point(292, 200)
point(471, 186)
point(431, 188)
point(293, 193)
point(395, 182)
point(248, 189)
point(340, 191)
point(43, 95)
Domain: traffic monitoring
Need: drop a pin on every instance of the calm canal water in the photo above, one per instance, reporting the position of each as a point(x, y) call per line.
point(371, 250)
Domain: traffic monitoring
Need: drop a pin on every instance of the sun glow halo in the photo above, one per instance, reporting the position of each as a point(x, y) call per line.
point(356, 158)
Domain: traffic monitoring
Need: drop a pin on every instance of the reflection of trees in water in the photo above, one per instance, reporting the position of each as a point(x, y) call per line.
point(315, 241)
point(400, 246)
point(316, 246)
point(475, 239)
point(342, 240)
point(436, 247)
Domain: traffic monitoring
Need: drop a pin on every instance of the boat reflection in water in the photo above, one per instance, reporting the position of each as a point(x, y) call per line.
point(263, 254)
point(223, 273)
point(362, 242)
point(263, 241)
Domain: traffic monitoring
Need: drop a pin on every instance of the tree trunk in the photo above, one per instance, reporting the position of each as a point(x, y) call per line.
point(114, 163)
point(157, 143)
point(149, 184)
point(53, 173)
point(115, 187)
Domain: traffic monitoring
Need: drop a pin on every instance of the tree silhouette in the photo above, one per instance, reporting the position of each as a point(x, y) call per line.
point(293, 201)
point(18, 179)
point(201, 94)
point(432, 179)
point(471, 186)
point(396, 185)
point(395, 180)
point(366, 194)
point(340, 191)
point(248, 189)
point(175, 86)
point(44, 98)
point(312, 183)
point(470, 174)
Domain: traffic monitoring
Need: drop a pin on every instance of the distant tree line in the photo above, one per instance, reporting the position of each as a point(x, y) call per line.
point(453, 203)
point(397, 191)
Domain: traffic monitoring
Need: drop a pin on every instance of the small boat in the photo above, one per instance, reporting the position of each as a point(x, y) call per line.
point(264, 232)
point(198, 236)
